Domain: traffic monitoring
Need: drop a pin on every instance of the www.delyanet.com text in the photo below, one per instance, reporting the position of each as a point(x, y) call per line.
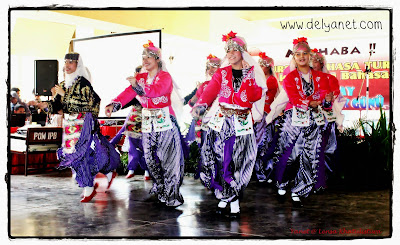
point(327, 26)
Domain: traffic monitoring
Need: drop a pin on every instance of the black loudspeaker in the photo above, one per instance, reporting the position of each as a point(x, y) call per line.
point(46, 76)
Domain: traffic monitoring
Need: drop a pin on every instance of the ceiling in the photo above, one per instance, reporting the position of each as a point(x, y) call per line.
point(195, 24)
point(191, 24)
point(205, 24)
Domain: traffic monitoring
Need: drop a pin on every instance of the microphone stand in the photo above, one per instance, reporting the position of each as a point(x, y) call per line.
point(367, 71)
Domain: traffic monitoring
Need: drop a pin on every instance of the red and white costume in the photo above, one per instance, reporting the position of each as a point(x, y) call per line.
point(236, 98)
point(294, 89)
point(221, 86)
point(161, 137)
point(157, 94)
point(265, 132)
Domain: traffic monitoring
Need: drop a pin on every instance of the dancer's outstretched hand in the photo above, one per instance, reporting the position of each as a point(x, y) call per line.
point(108, 110)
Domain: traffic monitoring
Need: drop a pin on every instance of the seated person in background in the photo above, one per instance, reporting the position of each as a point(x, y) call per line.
point(18, 116)
point(16, 90)
point(19, 109)
point(15, 94)
point(13, 100)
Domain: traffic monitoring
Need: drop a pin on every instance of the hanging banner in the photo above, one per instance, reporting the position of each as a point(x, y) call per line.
point(348, 64)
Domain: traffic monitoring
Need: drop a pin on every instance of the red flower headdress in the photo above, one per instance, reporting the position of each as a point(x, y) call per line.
point(315, 54)
point(265, 60)
point(213, 61)
point(234, 42)
point(263, 56)
point(228, 36)
point(150, 49)
point(149, 44)
point(210, 56)
point(299, 40)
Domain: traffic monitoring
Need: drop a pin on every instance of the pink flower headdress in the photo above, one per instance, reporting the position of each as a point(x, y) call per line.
point(234, 42)
point(265, 60)
point(151, 50)
point(213, 61)
point(301, 43)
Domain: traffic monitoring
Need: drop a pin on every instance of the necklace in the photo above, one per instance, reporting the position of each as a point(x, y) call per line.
point(237, 76)
point(306, 76)
point(151, 79)
point(308, 86)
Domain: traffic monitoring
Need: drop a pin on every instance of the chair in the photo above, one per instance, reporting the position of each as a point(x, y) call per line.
point(17, 120)
point(38, 140)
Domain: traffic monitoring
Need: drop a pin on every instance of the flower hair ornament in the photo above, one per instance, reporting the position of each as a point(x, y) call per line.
point(228, 36)
point(151, 50)
point(265, 60)
point(316, 55)
point(148, 44)
point(234, 42)
point(210, 56)
point(300, 42)
point(213, 61)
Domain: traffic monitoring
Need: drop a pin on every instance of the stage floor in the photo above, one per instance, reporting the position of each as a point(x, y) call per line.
point(48, 206)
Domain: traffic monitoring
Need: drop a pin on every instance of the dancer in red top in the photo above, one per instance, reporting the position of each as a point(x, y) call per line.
point(212, 64)
point(132, 130)
point(309, 97)
point(161, 136)
point(327, 131)
point(198, 127)
point(229, 150)
point(265, 131)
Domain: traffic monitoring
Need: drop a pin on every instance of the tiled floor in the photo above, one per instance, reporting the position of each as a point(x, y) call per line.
point(48, 206)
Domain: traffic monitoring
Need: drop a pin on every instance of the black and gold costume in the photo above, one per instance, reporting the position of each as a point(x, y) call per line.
point(80, 97)
point(84, 149)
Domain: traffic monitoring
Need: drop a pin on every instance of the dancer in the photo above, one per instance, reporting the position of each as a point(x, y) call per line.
point(328, 132)
point(265, 132)
point(197, 126)
point(318, 62)
point(160, 131)
point(309, 96)
point(212, 64)
point(229, 150)
point(84, 149)
point(132, 130)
